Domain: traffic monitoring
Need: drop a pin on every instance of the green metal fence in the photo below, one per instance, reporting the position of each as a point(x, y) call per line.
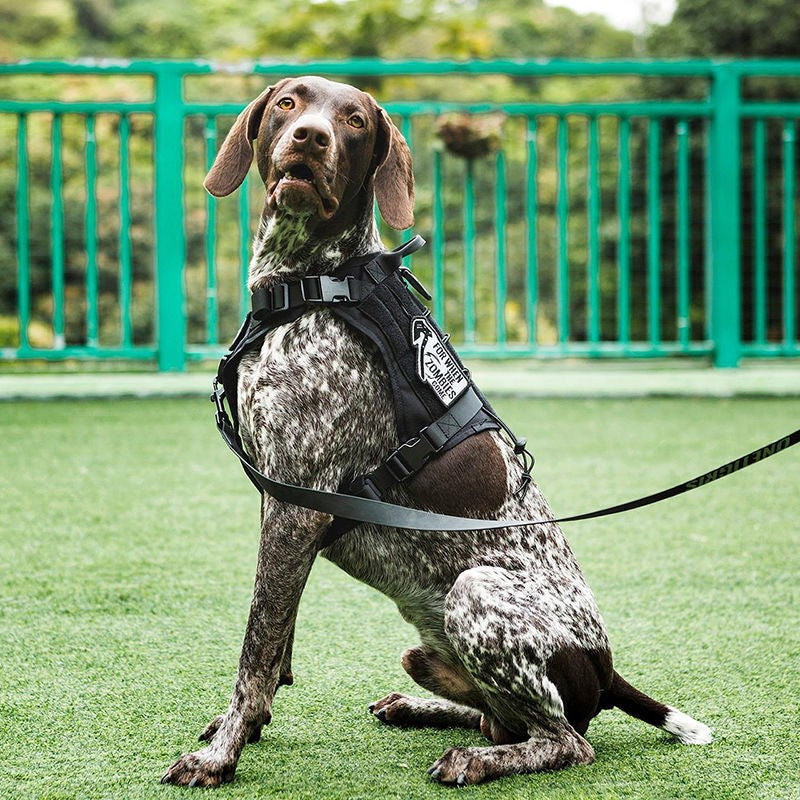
point(652, 227)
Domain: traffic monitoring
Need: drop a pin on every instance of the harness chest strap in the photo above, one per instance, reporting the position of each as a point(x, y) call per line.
point(310, 290)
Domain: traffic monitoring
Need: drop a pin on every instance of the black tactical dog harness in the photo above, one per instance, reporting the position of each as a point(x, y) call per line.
point(436, 403)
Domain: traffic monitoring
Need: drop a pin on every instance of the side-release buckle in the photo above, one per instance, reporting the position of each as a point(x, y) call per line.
point(279, 297)
point(269, 300)
point(409, 458)
point(329, 288)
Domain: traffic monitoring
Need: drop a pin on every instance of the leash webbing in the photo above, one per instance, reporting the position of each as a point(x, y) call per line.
point(377, 512)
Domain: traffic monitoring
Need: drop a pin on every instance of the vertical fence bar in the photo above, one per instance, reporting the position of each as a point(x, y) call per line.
point(654, 231)
point(244, 246)
point(759, 232)
point(725, 216)
point(92, 320)
point(500, 238)
point(212, 330)
point(624, 233)
point(125, 271)
point(405, 129)
point(562, 210)
point(438, 239)
point(57, 235)
point(469, 252)
point(23, 232)
point(789, 232)
point(593, 277)
point(531, 213)
point(170, 237)
point(682, 200)
point(708, 282)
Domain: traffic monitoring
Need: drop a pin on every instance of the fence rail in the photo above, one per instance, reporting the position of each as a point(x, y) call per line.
point(630, 229)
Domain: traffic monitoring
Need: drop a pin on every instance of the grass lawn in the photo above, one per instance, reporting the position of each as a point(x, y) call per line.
point(128, 540)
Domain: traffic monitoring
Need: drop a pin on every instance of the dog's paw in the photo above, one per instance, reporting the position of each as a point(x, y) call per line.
point(199, 769)
point(394, 709)
point(460, 766)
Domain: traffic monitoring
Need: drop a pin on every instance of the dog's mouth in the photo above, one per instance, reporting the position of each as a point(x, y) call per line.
point(299, 172)
point(302, 188)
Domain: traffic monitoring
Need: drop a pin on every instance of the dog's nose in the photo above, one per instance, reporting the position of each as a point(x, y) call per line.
point(312, 136)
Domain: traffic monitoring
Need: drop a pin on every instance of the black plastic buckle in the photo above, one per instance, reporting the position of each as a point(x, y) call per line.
point(369, 489)
point(409, 458)
point(435, 436)
point(217, 398)
point(283, 305)
point(331, 289)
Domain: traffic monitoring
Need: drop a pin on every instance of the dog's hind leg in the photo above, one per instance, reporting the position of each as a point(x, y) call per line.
point(445, 680)
point(504, 626)
point(432, 673)
point(551, 747)
point(419, 712)
point(289, 538)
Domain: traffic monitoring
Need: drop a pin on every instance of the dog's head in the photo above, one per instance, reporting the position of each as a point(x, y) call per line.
point(321, 147)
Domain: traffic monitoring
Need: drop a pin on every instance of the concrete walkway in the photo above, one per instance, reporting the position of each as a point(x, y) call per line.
point(499, 379)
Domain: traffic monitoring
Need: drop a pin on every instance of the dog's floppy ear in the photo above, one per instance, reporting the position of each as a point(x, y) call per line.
point(236, 154)
point(394, 180)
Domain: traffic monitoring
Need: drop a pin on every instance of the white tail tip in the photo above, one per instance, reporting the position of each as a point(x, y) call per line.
point(685, 729)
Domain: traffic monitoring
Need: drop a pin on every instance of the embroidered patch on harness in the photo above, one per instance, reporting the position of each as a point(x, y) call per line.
point(435, 365)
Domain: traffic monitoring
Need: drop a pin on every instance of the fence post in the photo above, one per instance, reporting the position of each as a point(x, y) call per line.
point(169, 231)
point(725, 217)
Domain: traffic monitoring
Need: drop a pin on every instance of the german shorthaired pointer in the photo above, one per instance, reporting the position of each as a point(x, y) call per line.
point(512, 640)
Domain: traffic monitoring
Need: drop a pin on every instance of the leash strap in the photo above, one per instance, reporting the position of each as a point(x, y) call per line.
point(377, 512)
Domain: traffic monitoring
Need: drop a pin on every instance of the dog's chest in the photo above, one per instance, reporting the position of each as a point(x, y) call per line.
point(314, 403)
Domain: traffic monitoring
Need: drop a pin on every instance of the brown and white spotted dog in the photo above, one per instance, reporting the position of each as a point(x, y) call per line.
point(511, 637)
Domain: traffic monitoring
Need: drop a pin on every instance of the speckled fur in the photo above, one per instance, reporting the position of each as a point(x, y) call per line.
point(492, 608)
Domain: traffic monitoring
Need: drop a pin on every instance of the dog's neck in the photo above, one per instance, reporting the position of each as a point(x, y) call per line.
point(287, 246)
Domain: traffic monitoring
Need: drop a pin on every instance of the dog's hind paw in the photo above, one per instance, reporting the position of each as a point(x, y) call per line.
point(199, 769)
point(459, 766)
point(395, 709)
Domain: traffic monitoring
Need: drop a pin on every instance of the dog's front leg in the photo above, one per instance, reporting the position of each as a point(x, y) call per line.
point(287, 676)
point(289, 538)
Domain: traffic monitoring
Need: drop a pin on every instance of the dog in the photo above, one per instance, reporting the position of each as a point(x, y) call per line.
point(512, 642)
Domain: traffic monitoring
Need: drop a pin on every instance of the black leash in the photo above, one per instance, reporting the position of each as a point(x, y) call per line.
point(362, 509)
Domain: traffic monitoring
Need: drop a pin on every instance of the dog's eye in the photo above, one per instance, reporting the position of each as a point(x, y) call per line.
point(285, 103)
point(355, 121)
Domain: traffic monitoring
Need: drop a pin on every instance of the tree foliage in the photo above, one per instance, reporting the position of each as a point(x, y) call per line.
point(741, 28)
point(235, 30)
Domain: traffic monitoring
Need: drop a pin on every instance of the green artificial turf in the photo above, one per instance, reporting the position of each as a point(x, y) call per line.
point(128, 539)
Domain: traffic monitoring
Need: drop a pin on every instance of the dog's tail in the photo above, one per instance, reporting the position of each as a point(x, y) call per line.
point(630, 700)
